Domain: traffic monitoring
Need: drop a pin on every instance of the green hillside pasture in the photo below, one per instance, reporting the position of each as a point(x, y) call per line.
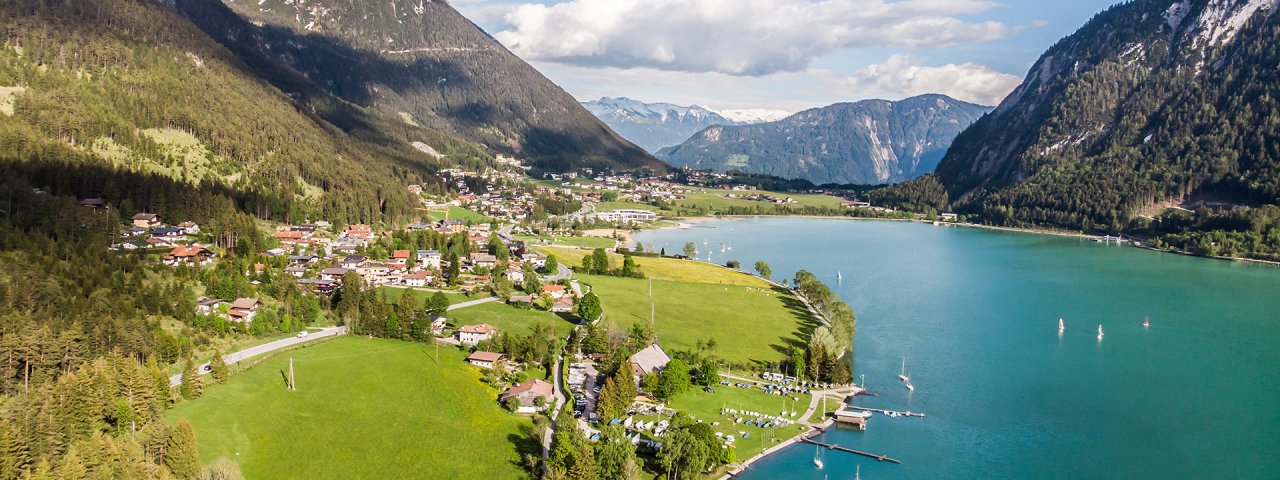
point(364, 408)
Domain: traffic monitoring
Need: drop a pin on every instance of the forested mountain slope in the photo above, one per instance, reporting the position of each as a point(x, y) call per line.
point(1152, 103)
point(866, 142)
point(420, 62)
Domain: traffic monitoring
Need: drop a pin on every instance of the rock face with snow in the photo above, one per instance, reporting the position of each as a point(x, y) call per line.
point(1150, 101)
point(653, 125)
point(867, 142)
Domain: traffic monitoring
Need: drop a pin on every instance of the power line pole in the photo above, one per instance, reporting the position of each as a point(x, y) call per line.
point(292, 386)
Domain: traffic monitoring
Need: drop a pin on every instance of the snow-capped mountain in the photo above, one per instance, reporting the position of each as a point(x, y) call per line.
point(653, 126)
point(751, 116)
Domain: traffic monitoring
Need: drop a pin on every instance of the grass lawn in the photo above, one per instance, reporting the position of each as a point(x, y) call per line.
point(667, 268)
point(507, 318)
point(459, 213)
point(580, 242)
point(394, 294)
point(714, 200)
point(611, 206)
point(364, 408)
point(750, 324)
point(707, 406)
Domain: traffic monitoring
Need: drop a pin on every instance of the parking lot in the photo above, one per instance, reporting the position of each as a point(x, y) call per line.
point(582, 382)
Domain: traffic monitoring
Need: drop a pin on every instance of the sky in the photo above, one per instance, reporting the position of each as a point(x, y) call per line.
point(781, 54)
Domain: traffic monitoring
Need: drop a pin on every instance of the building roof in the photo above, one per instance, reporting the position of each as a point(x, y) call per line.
point(486, 357)
point(398, 254)
point(552, 288)
point(651, 359)
point(245, 303)
point(182, 251)
point(536, 386)
point(428, 253)
point(145, 216)
point(419, 275)
point(482, 328)
point(339, 271)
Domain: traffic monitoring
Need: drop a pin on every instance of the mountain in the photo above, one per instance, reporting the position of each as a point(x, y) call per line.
point(419, 62)
point(753, 115)
point(867, 142)
point(1151, 104)
point(653, 125)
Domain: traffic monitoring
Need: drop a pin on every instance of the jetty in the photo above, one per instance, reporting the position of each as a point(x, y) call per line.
point(832, 446)
point(890, 413)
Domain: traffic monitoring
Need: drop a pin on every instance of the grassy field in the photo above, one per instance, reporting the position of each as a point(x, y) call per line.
point(713, 199)
point(507, 318)
point(667, 268)
point(581, 242)
point(364, 408)
point(707, 406)
point(750, 324)
point(611, 206)
point(394, 294)
point(459, 213)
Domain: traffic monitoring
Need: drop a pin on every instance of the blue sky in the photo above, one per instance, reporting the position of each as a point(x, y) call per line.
point(781, 54)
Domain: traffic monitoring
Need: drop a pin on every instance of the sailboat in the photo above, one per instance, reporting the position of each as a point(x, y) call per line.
point(839, 277)
point(1146, 322)
point(1061, 326)
point(1099, 331)
point(817, 454)
point(903, 376)
point(857, 473)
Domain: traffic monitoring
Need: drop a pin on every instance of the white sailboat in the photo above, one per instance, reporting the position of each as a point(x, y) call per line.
point(857, 473)
point(1061, 326)
point(1099, 331)
point(839, 277)
point(1146, 322)
point(817, 457)
point(903, 376)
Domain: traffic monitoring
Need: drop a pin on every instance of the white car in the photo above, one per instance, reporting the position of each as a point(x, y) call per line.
point(303, 334)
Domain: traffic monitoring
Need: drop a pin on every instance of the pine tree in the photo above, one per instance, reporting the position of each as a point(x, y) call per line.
point(181, 455)
point(190, 387)
point(219, 369)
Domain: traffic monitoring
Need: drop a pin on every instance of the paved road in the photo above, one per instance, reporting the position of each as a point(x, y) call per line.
point(473, 303)
point(562, 272)
point(232, 358)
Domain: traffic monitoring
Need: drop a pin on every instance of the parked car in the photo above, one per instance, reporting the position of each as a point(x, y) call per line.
point(303, 334)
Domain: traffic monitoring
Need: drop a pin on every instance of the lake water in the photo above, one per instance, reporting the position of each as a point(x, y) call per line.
point(975, 312)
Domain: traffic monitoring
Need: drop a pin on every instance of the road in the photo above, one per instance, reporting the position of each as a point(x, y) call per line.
point(473, 303)
point(562, 272)
point(232, 358)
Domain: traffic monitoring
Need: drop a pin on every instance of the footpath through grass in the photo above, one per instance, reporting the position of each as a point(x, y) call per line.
point(364, 408)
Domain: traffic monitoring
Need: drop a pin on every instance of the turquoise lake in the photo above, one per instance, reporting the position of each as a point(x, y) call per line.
point(975, 312)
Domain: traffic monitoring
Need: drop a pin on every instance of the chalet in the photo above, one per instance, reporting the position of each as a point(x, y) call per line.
point(169, 234)
point(650, 360)
point(515, 274)
point(563, 304)
point(538, 261)
point(556, 291)
point(333, 273)
point(189, 255)
point(189, 228)
point(419, 278)
point(373, 269)
point(289, 237)
point(353, 261)
point(437, 324)
point(527, 394)
point(244, 309)
point(473, 334)
point(430, 259)
point(321, 286)
point(94, 203)
point(401, 256)
point(415, 227)
point(483, 260)
point(296, 270)
point(208, 306)
point(359, 230)
point(486, 359)
point(521, 299)
point(452, 226)
point(146, 220)
point(303, 259)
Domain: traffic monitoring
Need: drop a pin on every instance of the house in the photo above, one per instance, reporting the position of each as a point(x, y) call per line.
point(243, 309)
point(189, 228)
point(372, 270)
point(521, 299)
point(296, 270)
point(401, 256)
point(289, 237)
point(485, 260)
point(432, 259)
point(486, 359)
point(169, 234)
point(419, 278)
point(358, 231)
point(537, 260)
point(93, 203)
point(189, 255)
point(527, 394)
point(452, 226)
point(650, 360)
point(146, 220)
point(556, 291)
point(626, 215)
point(437, 324)
point(563, 305)
point(353, 261)
point(207, 306)
point(949, 217)
point(333, 273)
point(515, 274)
point(303, 259)
point(473, 334)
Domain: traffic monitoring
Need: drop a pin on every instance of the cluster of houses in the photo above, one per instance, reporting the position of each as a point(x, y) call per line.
point(240, 310)
point(147, 231)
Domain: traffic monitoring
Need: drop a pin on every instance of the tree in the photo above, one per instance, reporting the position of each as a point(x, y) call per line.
point(629, 267)
point(690, 250)
point(674, 379)
point(734, 264)
point(454, 270)
point(615, 455)
point(600, 262)
point(512, 403)
point(190, 386)
point(218, 368)
point(763, 269)
point(551, 266)
point(589, 307)
point(617, 395)
point(181, 455)
point(437, 304)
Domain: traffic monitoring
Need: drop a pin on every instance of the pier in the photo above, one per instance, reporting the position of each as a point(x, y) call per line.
point(832, 446)
point(890, 413)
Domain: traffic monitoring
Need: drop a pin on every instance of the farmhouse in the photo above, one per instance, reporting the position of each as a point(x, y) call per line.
point(146, 220)
point(190, 255)
point(473, 334)
point(650, 360)
point(527, 394)
point(243, 309)
point(556, 291)
point(486, 359)
point(419, 278)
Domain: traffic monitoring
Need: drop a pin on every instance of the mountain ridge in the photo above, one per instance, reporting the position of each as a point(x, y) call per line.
point(653, 126)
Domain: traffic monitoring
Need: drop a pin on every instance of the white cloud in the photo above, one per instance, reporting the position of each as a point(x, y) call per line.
point(904, 76)
point(736, 37)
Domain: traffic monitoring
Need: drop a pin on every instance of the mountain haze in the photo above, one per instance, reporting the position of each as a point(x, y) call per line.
point(866, 142)
point(653, 126)
point(420, 62)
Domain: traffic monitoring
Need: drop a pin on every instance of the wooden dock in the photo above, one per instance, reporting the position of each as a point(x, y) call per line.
point(890, 413)
point(832, 446)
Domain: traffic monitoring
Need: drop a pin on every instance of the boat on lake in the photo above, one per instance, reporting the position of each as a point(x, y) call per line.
point(817, 457)
point(1099, 331)
point(1146, 322)
point(1061, 326)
